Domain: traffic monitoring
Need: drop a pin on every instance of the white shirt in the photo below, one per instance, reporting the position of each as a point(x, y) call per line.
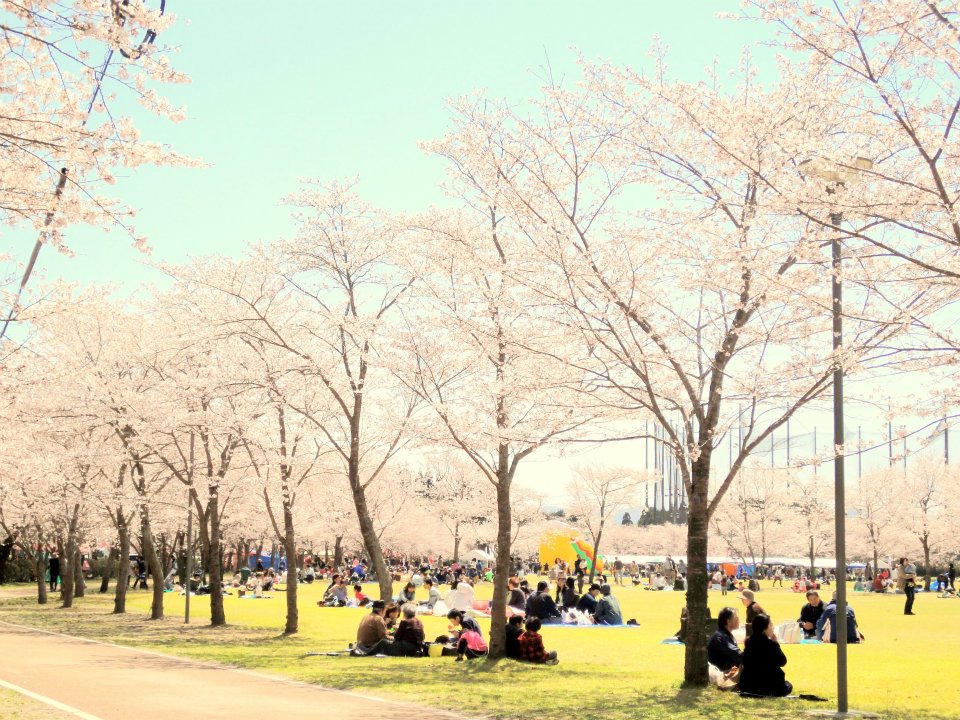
point(461, 598)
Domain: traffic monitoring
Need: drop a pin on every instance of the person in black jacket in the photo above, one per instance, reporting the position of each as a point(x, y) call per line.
point(722, 650)
point(514, 631)
point(810, 614)
point(763, 661)
point(569, 597)
point(588, 601)
point(541, 605)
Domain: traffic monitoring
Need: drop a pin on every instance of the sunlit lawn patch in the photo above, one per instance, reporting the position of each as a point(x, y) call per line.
point(903, 670)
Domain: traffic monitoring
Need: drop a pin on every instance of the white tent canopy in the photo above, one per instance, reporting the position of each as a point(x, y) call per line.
point(478, 554)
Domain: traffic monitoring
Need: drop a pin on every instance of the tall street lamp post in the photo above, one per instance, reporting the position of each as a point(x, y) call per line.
point(837, 177)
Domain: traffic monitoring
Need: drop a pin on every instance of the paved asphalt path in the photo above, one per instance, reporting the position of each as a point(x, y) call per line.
point(96, 681)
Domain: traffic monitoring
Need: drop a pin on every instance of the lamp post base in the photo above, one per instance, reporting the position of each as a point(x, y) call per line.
point(841, 715)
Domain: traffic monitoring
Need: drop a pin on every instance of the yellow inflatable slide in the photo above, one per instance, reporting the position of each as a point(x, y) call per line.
point(567, 545)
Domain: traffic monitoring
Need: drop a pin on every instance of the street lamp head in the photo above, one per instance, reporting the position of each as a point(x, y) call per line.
point(836, 173)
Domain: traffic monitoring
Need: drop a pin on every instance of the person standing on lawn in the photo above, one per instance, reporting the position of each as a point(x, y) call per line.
point(908, 576)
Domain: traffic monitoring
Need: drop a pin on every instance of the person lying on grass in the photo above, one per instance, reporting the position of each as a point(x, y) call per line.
point(531, 645)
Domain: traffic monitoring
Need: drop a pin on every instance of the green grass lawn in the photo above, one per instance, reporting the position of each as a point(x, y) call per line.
point(906, 669)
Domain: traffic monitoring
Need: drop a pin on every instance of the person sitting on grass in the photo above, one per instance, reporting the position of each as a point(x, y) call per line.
point(810, 614)
point(460, 596)
point(607, 611)
point(359, 599)
point(433, 594)
point(569, 596)
point(408, 639)
point(516, 599)
point(335, 597)
point(269, 580)
point(391, 616)
point(588, 601)
point(408, 594)
point(753, 608)
point(541, 605)
point(763, 660)
point(371, 630)
point(723, 653)
point(830, 616)
point(333, 583)
point(531, 645)
point(409, 636)
point(514, 630)
point(468, 636)
point(460, 623)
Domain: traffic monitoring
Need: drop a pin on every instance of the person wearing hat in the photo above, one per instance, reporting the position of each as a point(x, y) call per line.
point(372, 629)
point(810, 614)
point(608, 608)
point(753, 609)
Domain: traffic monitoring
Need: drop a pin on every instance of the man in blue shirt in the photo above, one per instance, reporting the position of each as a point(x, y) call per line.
point(830, 615)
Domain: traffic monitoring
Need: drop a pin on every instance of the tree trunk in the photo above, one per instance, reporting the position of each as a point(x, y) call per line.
point(153, 563)
point(290, 546)
point(926, 565)
point(370, 540)
point(596, 552)
point(695, 643)
point(337, 552)
point(501, 575)
point(78, 579)
point(123, 566)
point(813, 559)
point(66, 552)
point(456, 546)
point(41, 565)
point(108, 570)
point(218, 616)
point(5, 549)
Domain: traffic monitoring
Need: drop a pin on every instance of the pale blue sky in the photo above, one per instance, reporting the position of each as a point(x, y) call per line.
point(331, 90)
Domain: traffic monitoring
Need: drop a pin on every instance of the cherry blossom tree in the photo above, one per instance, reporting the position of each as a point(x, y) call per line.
point(710, 296)
point(596, 493)
point(68, 127)
point(894, 66)
point(810, 515)
point(876, 523)
point(750, 519)
point(468, 353)
point(927, 506)
point(458, 495)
